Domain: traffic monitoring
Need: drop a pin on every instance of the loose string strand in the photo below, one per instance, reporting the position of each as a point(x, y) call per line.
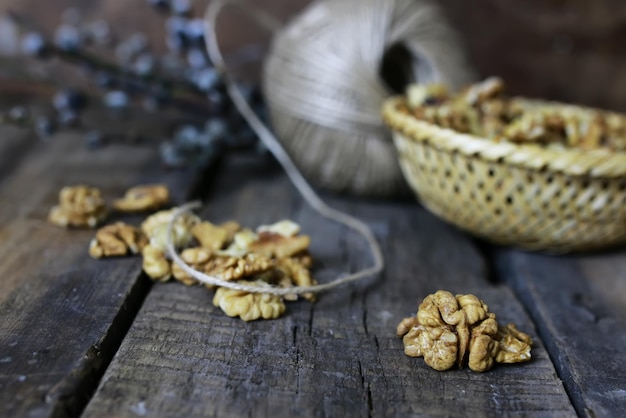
point(270, 141)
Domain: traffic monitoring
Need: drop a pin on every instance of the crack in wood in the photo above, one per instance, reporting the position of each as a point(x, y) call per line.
point(71, 394)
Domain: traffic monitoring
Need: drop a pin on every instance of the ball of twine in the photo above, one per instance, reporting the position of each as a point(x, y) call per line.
point(323, 85)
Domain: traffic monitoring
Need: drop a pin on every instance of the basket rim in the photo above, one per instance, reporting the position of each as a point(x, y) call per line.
point(572, 161)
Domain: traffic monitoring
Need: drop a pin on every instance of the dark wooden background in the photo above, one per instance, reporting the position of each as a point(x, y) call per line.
point(570, 50)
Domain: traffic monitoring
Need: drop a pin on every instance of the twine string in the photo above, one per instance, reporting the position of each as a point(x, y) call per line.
point(298, 180)
point(325, 82)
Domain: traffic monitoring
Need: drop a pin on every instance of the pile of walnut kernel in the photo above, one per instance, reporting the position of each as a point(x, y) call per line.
point(449, 330)
point(483, 110)
point(269, 255)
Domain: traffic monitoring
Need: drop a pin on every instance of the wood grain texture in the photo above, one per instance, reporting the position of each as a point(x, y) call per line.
point(578, 304)
point(14, 144)
point(337, 357)
point(63, 313)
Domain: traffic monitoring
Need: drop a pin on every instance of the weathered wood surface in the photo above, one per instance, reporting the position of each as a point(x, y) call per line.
point(63, 314)
point(337, 357)
point(14, 145)
point(579, 305)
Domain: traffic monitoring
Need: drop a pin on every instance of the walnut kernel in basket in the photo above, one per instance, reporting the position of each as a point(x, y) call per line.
point(482, 110)
point(460, 329)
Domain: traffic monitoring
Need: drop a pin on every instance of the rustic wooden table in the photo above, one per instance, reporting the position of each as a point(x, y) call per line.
point(96, 338)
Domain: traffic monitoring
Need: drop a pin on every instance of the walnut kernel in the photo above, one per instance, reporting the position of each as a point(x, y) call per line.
point(210, 236)
point(116, 240)
point(271, 244)
point(285, 228)
point(155, 264)
point(449, 329)
point(143, 198)
point(249, 306)
point(197, 258)
point(79, 206)
point(297, 272)
point(155, 227)
point(233, 268)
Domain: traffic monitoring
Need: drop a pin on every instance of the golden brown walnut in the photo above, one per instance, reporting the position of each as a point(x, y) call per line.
point(459, 329)
point(197, 258)
point(211, 236)
point(232, 227)
point(297, 271)
point(81, 199)
point(155, 227)
point(241, 242)
point(285, 228)
point(278, 240)
point(249, 306)
point(271, 244)
point(233, 268)
point(155, 264)
point(421, 94)
point(143, 198)
point(514, 345)
point(79, 206)
point(488, 89)
point(116, 240)
point(406, 324)
point(481, 110)
point(483, 349)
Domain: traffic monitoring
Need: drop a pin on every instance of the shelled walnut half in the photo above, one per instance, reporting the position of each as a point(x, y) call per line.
point(460, 329)
point(116, 240)
point(249, 306)
point(155, 227)
point(143, 198)
point(79, 206)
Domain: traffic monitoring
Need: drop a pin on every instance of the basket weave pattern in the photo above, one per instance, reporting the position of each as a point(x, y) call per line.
point(522, 195)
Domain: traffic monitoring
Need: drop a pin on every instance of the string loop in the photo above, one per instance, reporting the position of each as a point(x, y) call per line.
point(270, 141)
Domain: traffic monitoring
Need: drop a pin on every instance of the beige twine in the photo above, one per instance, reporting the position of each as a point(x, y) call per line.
point(293, 173)
point(324, 91)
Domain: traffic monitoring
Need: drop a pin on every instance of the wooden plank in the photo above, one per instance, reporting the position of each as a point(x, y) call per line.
point(64, 314)
point(14, 145)
point(337, 357)
point(579, 306)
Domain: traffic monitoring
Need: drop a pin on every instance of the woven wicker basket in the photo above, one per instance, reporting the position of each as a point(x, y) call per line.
point(523, 195)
